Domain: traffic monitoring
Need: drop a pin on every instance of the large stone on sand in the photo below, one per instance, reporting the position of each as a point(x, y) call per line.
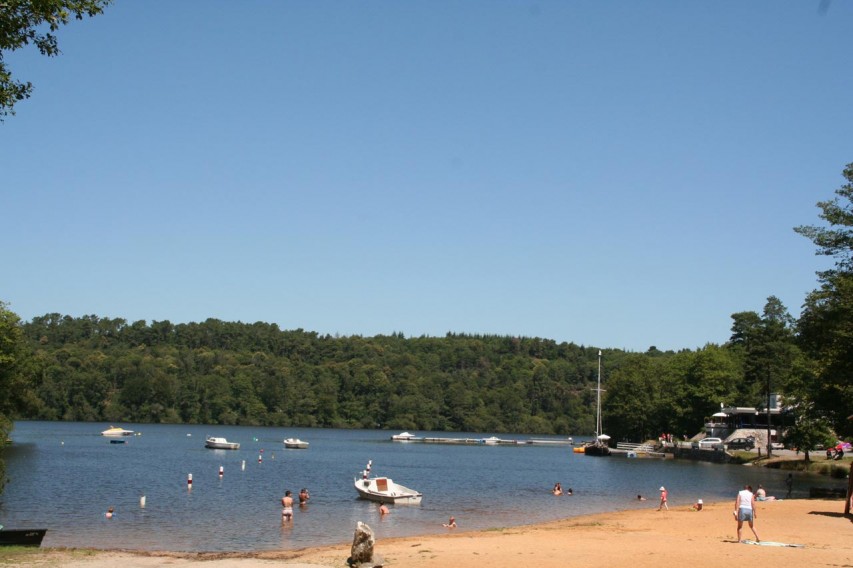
point(362, 546)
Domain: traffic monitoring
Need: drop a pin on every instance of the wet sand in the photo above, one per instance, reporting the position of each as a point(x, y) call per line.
point(643, 538)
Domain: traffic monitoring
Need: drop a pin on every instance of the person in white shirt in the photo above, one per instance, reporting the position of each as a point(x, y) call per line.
point(745, 511)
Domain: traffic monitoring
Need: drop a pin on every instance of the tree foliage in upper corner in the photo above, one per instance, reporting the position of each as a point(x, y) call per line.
point(25, 22)
point(837, 239)
point(826, 322)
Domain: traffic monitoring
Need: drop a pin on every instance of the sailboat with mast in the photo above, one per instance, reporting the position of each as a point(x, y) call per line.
point(598, 447)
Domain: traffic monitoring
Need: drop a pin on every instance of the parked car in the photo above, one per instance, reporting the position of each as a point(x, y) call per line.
point(777, 445)
point(710, 443)
point(741, 444)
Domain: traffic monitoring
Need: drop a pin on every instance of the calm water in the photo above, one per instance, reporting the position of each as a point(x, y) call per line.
point(64, 476)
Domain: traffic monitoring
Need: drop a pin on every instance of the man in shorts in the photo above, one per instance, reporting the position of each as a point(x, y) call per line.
point(287, 507)
point(745, 511)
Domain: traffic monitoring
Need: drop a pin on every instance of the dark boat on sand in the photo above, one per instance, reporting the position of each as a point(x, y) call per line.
point(21, 537)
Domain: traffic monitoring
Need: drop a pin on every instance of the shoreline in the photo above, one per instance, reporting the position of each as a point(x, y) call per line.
point(645, 537)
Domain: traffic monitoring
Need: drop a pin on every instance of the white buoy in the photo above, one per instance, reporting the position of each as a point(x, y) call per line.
point(243, 466)
point(260, 458)
point(189, 481)
point(221, 471)
point(142, 501)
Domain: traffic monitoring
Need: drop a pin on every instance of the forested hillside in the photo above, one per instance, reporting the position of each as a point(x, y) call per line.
point(94, 368)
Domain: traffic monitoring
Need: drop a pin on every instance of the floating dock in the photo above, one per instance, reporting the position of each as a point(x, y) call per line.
point(491, 441)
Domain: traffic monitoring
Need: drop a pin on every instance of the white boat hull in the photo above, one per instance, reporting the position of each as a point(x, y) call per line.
point(221, 444)
point(295, 444)
point(384, 490)
point(115, 432)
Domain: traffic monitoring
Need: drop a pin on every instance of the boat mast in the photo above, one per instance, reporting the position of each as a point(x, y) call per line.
point(598, 402)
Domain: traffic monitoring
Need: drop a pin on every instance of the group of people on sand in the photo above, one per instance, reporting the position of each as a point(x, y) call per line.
point(558, 490)
point(287, 503)
point(744, 511)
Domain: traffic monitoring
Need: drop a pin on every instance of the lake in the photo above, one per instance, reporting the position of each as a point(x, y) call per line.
point(64, 476)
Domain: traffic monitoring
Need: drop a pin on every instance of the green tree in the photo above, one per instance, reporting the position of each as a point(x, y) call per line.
point(16, 393)
point(23, 22)
point(826, 322)
point(767, 344)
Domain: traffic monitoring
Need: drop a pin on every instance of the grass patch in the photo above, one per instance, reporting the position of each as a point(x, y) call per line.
point(742, 457)
point(40, 557)
point(12, 555)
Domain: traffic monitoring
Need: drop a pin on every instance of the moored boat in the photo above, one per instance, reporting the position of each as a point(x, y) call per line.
point(403, 437)
point(384, 489)
point(21, 537)
point(220, 444)
point(295, 444)
point(599, 446)
point(116, 431)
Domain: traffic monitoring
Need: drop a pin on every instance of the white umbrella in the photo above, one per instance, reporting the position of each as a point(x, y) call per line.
point(604, 437)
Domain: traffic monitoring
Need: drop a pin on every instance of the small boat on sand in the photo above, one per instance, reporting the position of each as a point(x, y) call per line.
point(295, 444)
point(220, 444)
point(21, 537)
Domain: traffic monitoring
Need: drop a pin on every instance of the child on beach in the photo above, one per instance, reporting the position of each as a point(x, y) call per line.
point(663, 496)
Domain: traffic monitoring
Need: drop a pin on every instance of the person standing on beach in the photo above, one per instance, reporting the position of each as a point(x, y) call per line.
point(789, 482)
point(745, 511)
point(287, 507)
point(663, 496)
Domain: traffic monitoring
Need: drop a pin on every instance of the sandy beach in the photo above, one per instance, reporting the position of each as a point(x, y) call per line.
point(641, 538)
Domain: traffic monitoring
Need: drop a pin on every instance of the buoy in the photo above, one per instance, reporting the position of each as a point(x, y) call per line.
point(243, 467)
point(260, 458)
point(142, 501)
point(221, 471)
point(189, 481)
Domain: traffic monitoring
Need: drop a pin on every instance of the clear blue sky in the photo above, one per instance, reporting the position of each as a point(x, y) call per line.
point(616, 174)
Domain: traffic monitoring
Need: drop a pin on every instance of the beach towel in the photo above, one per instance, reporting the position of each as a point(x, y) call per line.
point(771, 543)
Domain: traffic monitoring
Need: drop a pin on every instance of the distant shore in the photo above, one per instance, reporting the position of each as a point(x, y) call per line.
point(643, 538)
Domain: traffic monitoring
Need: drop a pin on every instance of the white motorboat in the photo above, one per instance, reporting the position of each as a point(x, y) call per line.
point(116, 431)
point(403, 437)
point(384, 490)
point(220, 444)
point(295, 444)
